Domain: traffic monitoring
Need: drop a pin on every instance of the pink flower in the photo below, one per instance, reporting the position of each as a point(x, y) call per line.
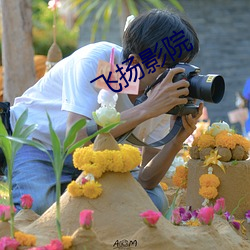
point(26, 201)
point(206, 215)
point(55, 245)
point(219, 206)
point(84, 180)
point(176, 217)
point(86, 218)
point(8, 243)
point(54, 4)
point(150, 217)
point(5, 212)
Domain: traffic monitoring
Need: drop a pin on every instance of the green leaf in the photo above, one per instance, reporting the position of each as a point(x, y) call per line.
point(35, 144)
point(56, 147)
point(172, 207)
point(85, 140)
point(20, 123)
point(5, 144)
point(71, 136)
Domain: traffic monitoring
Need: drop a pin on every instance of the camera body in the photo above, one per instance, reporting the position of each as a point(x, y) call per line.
point(209, 88)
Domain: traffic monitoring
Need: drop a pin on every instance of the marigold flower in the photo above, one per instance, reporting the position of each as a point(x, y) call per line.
point(208, 192)
point(94, 169)
point(226, 140)
point(26, 201)
point(150, 217)
point(27, 240)
point(180, 177)
point(75, 189)
point(164, 186)
point(92, 189)
point(206, 215)
point(219, 206)
point(98, 162)
point(209, 180)
point(206, 141)
point(67, 242)
point(86, 218)
point(8, 243)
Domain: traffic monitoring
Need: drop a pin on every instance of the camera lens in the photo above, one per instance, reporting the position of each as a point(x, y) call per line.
point(209, 88)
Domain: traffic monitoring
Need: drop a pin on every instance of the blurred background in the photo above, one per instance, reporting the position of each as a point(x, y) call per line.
point(222, 27)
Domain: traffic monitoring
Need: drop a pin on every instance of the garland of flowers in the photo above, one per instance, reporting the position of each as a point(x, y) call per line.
point(208, 186)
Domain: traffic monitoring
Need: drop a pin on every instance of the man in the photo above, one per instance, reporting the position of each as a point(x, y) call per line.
point(65, 92)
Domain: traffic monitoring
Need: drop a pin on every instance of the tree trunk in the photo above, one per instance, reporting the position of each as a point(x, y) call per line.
point(17, 47)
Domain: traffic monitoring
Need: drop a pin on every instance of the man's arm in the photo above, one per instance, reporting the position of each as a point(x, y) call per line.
point(152, 172)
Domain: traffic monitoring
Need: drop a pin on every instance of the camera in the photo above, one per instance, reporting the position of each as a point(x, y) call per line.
point(209, 88)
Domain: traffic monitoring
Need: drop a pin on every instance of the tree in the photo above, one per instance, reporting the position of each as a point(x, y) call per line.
point(17, 47)
point(103, 9)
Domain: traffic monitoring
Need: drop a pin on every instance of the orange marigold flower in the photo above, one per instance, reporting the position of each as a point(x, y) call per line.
point(209, 180)
point(67, 242)
point(180, 177)
point(208, 192)
point(242, 141)
point(226, 140)
point(206, 141)
point(164, 186)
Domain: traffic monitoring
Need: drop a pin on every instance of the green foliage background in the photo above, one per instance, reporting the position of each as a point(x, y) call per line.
point(42, 19)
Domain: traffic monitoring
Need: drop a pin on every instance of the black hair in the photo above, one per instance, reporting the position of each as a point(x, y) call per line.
point(154, 26)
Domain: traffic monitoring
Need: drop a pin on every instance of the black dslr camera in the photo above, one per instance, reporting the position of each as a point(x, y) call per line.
point(209, 88)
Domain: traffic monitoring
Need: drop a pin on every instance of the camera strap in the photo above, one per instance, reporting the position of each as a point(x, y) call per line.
point(131, 138)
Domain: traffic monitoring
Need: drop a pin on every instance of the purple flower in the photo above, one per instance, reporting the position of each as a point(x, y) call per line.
point(195, 214)
point(228, 216)
point(248, 216)
point(236, 224)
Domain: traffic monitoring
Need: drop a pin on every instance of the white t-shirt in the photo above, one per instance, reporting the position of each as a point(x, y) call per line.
point(67, 87)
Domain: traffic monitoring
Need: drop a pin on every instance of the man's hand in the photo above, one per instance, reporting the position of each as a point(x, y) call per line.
point(167, 94)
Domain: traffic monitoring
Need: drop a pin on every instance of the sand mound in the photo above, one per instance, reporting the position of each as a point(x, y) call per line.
point(117, 223)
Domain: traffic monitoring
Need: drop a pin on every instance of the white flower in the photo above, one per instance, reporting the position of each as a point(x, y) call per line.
point(217, 127)
point(105, 116)
point(107, 98)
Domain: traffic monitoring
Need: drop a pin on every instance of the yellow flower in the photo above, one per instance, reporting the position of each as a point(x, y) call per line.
point(67, 242)
point(98, 162)
point(92, 189)
point(206, 141)
point(75, 189)
point(208, 192)
point(94, 169)
point(27, 240)
point(164, 186)
point(193, 223)
point(83, 156)
point(180, 177)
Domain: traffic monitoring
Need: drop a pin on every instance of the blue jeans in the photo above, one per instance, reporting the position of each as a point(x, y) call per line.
point(33, 174)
